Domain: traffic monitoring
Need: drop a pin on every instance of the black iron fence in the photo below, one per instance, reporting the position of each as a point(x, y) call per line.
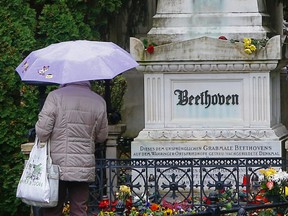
point(206, 185)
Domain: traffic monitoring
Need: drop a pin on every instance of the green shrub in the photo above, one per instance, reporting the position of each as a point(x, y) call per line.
point(17, 109)
point(26, 26)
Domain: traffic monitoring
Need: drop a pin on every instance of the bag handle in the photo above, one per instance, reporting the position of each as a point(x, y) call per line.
point(49, 159)
point(41, 145)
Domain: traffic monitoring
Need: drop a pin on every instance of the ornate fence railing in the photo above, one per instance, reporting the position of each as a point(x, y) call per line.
point(206, 185)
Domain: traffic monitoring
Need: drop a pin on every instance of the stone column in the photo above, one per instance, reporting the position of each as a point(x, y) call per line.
point(115, 131)
point(178, 20)
point(26, 148)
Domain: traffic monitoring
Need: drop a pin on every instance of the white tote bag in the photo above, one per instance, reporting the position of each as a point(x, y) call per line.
point(39, 183)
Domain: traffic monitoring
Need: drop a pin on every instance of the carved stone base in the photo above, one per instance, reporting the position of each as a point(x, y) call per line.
point(206, 134)
point(210, 142)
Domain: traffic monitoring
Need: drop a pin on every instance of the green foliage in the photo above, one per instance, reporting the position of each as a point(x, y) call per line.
point(148, 43)
point(27, 25)
point(96, 14)
point(17, 38)
point(118, 87)
point(109, 5)
point(56, 24)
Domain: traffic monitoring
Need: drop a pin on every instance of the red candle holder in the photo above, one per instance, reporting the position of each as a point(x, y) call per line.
point(246, 180)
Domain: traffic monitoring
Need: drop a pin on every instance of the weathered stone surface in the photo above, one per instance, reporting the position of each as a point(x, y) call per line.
point(191, 78)
point(204, 49)
point(178, 20)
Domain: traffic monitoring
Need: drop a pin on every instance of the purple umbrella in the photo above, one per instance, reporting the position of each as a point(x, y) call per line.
point(74, 61)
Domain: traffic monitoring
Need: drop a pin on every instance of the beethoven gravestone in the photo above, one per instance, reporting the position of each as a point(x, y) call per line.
point(206, 97)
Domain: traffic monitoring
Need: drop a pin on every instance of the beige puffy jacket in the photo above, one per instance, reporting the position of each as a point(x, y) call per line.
point(75, 118)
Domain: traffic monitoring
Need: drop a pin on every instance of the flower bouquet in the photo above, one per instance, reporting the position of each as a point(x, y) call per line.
point(274, 184)
point(149, 46)
point(251, 45)
point(124, 193)
point(124, 202)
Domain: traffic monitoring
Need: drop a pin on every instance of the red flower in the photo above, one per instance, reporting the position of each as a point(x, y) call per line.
point(150, 49)
point(129, 205)
point(113, 204)
point(265, 200)
point(154, 207)
point(207, 200)
point(129, 201)
point(222, 38)
point(104, 204)
point(221, 191)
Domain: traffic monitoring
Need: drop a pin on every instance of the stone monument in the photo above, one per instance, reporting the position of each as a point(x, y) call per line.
point(205, 96)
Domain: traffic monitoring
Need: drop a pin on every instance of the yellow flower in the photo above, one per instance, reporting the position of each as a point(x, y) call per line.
point(252, 47)
point(124, 192)
point(248, 51)
point(168, 212)
point(271, 172)
point(286, 191)
point(125, 189)
point(106, 213)
point(248, 47)
point(247, 41)
point(268, 172)
point(66, 209)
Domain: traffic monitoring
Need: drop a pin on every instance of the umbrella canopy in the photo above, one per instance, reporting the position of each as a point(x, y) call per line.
point(74, 61)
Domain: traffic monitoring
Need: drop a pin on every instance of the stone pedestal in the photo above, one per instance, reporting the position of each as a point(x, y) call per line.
point(115, 131)
point(210, 99)
point(206, 97)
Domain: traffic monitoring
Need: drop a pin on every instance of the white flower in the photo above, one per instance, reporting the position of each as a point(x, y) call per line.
point(280, 176)
point(261, 177)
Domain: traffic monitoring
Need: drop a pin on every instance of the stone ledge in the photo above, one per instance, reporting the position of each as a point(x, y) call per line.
point(26, 148)
point(204, 49)
point(214, 134)
point(117, 129)
point(207, 67)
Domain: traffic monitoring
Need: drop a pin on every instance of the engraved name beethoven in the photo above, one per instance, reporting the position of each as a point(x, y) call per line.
point(204, 98)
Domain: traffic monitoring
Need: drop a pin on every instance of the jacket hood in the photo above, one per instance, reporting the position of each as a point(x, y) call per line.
point(82, 83)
